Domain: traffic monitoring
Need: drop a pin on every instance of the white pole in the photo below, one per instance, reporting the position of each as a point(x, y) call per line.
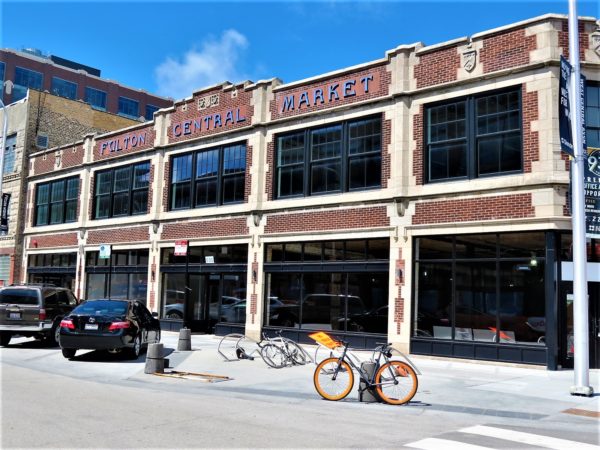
point(580, 295)
point(4, 132)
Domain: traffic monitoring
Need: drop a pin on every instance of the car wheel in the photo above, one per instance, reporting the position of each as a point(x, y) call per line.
point(69, 352)
point(137, 347)
point(5, 339)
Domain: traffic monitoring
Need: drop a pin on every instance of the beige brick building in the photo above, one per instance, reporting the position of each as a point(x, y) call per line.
point(420, 198)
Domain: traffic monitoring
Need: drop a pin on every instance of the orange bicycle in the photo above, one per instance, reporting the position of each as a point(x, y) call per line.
point(395, 382)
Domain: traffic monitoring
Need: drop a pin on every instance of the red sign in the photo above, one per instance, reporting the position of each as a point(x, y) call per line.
point(181, 248)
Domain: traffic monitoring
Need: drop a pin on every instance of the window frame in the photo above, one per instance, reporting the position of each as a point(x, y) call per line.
point(220, 179)
point(65, 204)
point(89, 90)
point(127, 99)
point(343, 159)
point(152, 109)
point(472, 137)
point(54, 89)
point(128, 193)
point(590, 127)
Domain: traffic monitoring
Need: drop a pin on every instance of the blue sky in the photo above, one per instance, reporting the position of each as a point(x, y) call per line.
point(174, 48)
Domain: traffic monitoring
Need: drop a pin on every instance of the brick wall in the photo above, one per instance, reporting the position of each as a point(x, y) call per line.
point(118, 235)
point(70, 156)
point(474, 209)
point(53, 240)
point(205, 228)
point(377, 88)
point(418, 160)
point(506, 49)
point(531, 143)
point(437, 67)
point(563, 40)
point(328, 220)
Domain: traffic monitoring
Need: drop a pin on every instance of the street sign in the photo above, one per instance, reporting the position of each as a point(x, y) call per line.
point(104, 251)
point(181, 248)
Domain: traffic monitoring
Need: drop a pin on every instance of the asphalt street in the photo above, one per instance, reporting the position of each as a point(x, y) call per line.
point(99, 400)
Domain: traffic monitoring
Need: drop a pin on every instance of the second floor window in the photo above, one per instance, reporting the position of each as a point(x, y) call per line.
point(337, 158)
point(56, 201)
point(129, 107)
point(208, 177)
point(10, 151)
point(64, 88)
point(96, 98)
point(122, 191)
point(24, 79)
point(474, 137)
point(150, 110)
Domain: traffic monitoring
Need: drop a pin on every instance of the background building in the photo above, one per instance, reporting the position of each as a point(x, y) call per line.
point(20, 70)
point(38, 121)
point(421, 198)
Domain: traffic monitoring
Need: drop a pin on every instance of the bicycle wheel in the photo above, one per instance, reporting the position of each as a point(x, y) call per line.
point(273, 356)
point(396, 382)
point(297, 353)
point(331, 383)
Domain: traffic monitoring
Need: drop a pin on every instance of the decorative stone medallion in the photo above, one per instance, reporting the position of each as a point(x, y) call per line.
point(469, 60)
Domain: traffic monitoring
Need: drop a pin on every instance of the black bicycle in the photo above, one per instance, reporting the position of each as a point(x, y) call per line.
point(395, 382)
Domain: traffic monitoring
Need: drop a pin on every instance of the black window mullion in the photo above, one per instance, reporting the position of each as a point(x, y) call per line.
point(220, 175)
point(471, 138)
point(307, 152)
point(345, 155)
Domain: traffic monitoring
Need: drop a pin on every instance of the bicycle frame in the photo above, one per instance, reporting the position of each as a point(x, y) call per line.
point(364, 376)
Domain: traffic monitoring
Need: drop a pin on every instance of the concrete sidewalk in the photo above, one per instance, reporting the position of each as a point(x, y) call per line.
point(456, 386)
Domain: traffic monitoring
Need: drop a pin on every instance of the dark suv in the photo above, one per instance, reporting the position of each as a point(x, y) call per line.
point(33, 311)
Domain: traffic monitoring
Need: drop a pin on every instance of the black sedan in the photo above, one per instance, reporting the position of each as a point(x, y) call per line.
point(114, 325)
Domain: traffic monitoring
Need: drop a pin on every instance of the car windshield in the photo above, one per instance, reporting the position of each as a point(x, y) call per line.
point(102, 308)
point(19, 296)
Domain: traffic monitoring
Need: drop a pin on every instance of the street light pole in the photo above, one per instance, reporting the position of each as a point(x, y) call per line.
point(580, 294)
point(4, 132)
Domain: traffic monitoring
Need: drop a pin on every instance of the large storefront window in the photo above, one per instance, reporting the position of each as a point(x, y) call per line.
point(122, 276)
point(204, 287)
point(487, 288)
point(333, 285)
point(58, 269)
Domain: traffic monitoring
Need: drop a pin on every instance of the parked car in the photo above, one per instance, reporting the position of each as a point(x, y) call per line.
point(114, 325)
point(33, 311)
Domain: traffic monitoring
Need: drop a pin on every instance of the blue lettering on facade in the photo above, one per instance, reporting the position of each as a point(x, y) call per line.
point(177, 130)
point(228, 117)
point(348, 89)
point(187, 125)
point(303, 99)
point(239, 117)
point(318, 95)
point(288, 103)
point(207, 120)
point(365, 82)
point(197, 124)
point(217, 120)
point(333, 91)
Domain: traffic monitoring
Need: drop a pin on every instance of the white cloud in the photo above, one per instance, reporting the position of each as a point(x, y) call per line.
point(215, 62)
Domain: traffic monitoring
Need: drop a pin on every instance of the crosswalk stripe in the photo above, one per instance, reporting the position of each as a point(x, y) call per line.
point(529, 438)
point(444, 444)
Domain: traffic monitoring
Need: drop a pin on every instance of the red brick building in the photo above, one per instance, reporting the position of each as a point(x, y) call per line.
point(420, 198)
point(21, 70)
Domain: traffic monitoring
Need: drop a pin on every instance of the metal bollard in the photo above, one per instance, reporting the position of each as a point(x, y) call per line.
point(185, 340)
point(155, 363)
point(367, 395)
